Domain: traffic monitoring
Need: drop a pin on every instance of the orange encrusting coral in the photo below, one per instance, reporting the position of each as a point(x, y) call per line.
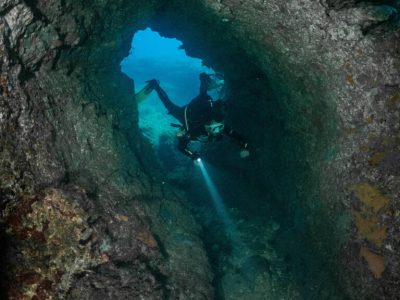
point(123, 218)
point(371, 197)
point(370, 229)
point(350, 79)
point(376, 159)
point(370, 225)
point(376, 263)
point(147, 239)
point(393, 100)
point(367, 221)
point(47, 227)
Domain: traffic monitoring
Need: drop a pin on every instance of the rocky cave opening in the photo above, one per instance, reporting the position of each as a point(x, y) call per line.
point(88, 213)
point(153, 56)
point(268, 217)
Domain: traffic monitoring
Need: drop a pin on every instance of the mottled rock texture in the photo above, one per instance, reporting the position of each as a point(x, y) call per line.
point(315, 87)
point(80, 190)
point(313, 84)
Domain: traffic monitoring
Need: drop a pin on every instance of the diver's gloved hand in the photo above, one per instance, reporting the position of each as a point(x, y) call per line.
point(153, 83)
point(195, 155)
point(244, 150)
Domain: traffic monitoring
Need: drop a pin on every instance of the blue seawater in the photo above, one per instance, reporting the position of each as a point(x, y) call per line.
point(153, 56)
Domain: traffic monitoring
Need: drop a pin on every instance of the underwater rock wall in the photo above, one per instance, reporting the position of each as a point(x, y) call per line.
point(84, 210)
point(314, 85)
point(335, 75)
point(319, 81)
point(345, 62)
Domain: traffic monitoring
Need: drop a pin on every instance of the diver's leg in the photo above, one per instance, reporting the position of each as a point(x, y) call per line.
point(244, 146)
point(204, 82)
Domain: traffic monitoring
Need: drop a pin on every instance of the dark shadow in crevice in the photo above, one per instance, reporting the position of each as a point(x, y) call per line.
point(344, 4)
point(211, 240)
point(36, 11)
point(4, 264)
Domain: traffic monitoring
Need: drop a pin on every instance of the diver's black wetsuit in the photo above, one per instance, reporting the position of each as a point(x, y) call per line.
point(195, 115)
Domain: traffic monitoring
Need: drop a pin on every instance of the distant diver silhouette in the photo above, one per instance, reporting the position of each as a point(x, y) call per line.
point(201, 118)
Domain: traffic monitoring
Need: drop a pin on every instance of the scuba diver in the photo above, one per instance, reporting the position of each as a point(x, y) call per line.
point(201, 118)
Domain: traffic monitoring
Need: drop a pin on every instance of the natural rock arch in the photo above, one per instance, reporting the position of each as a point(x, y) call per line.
point(312, 78)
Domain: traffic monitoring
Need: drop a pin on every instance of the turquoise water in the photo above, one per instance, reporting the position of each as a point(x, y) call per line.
point(153, 56)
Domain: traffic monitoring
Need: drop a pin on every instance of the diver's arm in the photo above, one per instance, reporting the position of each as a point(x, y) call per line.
point(236, 136)
point(182, 146)
point(244, 145)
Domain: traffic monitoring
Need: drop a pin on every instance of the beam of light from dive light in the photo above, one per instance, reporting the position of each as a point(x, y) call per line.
point(220, 207)
point(238, 247)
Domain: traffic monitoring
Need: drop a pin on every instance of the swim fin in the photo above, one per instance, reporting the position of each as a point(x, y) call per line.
point(143, 93)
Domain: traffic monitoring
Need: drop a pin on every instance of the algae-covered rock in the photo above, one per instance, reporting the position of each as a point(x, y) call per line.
point(45, 231)
point(74, 169)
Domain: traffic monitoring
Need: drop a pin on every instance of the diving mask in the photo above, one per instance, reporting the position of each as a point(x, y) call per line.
point(214, 128)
